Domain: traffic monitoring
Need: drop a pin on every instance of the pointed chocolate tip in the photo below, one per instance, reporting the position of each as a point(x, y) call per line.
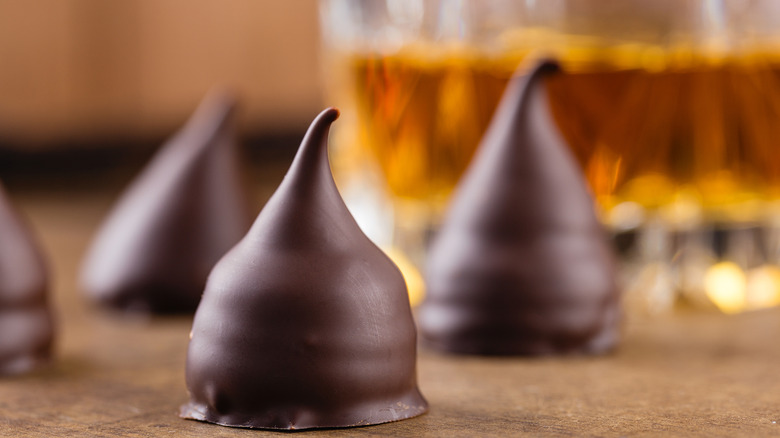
point(527, 75)
point(320, 127)
point(545, 66)
point(328, 115)
point(519, 89)
point(314, 145)
point(215, 110)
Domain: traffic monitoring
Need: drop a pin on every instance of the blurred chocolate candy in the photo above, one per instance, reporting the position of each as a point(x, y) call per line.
point(181, 214)
point(26, 327)
point(521, 264)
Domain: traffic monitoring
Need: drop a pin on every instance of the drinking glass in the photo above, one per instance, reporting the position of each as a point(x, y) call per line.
point(672, 108)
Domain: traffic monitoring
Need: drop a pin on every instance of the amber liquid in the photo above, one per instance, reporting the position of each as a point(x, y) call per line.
point(690, 142)
point(706, 129)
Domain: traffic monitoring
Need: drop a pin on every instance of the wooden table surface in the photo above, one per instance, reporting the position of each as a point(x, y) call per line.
point(691, 375)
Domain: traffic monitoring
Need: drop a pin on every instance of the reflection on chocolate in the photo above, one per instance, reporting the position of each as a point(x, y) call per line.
point(26, 328)
point(305, 323)
point(185, 210)
point(521, 264)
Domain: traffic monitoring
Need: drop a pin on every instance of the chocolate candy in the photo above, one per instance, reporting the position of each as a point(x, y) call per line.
point(181, 214)
point(26, 328)
point(305, 323)
point(521, 265)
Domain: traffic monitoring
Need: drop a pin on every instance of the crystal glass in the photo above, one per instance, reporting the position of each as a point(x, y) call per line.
point(672, 107)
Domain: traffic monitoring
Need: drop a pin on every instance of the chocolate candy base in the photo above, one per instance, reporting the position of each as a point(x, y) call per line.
point(305, 418)
point(459, 335)
point(153, 299)
point(25, 364)
point(26, 340)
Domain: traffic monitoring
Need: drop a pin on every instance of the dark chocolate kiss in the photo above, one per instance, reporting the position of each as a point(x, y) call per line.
point(305, 323)
point(185, 210)
point(26, 329)
point(521, 264)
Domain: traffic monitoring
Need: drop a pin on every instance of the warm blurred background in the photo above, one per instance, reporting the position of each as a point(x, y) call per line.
point(668, 105)
point(87, 84)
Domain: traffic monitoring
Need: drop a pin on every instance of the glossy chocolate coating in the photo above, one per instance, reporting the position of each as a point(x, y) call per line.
point(180, 215)
point(305, 323)
point(521, 264)
point(26, 328)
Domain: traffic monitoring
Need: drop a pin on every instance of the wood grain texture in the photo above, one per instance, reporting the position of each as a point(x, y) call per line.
point(691, 375)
